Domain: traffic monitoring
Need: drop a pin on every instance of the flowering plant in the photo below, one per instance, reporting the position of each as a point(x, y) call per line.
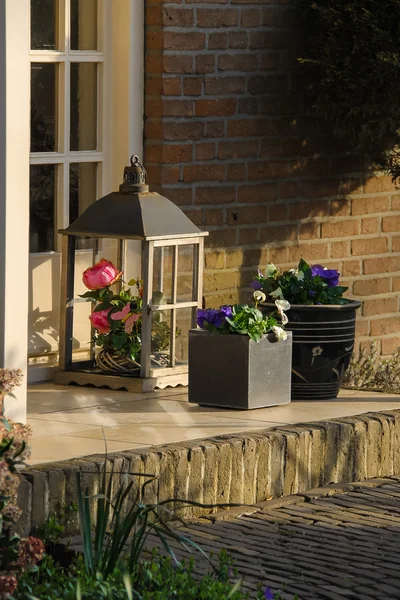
point(245, 320)
point(117, 317)
point(304, 285)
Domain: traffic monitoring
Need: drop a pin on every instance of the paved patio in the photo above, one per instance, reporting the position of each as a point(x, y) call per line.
point(70, 422)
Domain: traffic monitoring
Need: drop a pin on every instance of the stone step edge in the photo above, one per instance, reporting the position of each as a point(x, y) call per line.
point(241, 469)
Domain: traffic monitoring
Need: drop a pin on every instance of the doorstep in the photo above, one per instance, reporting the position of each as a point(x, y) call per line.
point(72, 422)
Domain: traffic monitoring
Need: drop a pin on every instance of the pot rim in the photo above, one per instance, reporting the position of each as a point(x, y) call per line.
point(352, 305)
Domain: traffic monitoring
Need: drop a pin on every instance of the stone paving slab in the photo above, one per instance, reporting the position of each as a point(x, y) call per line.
point(344, 546)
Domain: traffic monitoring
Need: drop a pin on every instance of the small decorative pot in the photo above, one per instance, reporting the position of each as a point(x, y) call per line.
point(233, 371)
point(323, 342)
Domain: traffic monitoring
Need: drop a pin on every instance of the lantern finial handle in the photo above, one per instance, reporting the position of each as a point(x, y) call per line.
point(134, 176)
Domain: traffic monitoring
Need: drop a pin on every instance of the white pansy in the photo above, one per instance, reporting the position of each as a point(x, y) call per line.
point(279, 333)
point(282, 305)
point(270, 270)
point(298, 274)
point(259, 296)
point(277, 293)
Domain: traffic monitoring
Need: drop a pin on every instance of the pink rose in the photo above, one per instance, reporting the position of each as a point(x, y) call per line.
point(100, 322)
point(101, 275)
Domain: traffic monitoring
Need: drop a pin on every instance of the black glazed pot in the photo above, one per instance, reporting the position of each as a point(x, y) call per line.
point(323, 342)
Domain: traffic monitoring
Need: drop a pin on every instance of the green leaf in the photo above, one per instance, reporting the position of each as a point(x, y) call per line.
point(103, 306)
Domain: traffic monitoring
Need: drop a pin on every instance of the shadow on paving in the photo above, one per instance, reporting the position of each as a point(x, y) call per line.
point(342, 547)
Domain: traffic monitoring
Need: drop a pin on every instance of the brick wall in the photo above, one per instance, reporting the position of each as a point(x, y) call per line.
point(226, 140)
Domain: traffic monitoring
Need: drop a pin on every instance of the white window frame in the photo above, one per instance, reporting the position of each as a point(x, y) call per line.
point(64, 158)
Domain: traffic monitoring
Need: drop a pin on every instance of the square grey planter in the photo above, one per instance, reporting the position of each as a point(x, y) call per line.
point(232, 371)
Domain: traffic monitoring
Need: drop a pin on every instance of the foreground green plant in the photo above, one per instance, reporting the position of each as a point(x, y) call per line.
point(369, 371)
point(156, 578)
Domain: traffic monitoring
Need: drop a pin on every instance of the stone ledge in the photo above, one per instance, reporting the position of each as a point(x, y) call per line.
point(244, 469)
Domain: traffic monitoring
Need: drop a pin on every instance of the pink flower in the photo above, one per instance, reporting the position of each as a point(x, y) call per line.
point(100, 322)
point(131, 321)
point(120, 315)
point(101, 275)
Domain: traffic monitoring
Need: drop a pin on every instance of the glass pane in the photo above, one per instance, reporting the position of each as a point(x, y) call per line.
point(83, 24)
point(162, 275)
point(83, 106)
point(43, 107)
point(185, 273)
point(183, 324)
point(160, 339)
point(44, 24)
point(82, 188)
point(42, 194)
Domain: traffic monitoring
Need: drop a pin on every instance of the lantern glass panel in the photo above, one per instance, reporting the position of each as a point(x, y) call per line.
point(88, 251)
point(162, 275)
point(160, 339)
point(185, 273)
point(183, 324)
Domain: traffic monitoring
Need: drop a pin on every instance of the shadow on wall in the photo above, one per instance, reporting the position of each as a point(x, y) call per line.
point(227, 137)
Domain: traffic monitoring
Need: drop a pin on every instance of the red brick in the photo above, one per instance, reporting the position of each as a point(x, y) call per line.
point(220, 238)
point(183, 131)
point(154, 41)
point(178, 64)
point(192, 86)
point(380, 306)
point(379, 184)
point(169, 153)
point(179, 195)
point(218, 41)
point(340, 208)
point(220, 281)
point(362, 327)
point(288, 189)
point(205, 63)
point(215, 260)
point(154, 15)
point(215, 107)
point(178, 108)
point(236, 172)
point(366, 206)
point(182, 41)
point(319, 189)
point(225, 85)
point(237, 39)
point(165, 174)
point(278, 233)
point(389, 264)
point(385, 326)
point(214, 216)
point(225, 17)
point(396, 284)
point(309, 231)
point(251, 17)
point(370, 287)
point(310, 252)
point(178, 17)
point(202, 172)
point(249, 235)
point(363, 246)
point(248, 127)
point(340, 249)
point(351, 268)
point(237, 149)
point(390, 345)
point(278, 212)
point(237, 62)
point(396, 202)
point(303, 210)
point(340, 229)
point(391, 223)
point(370, 225)
point(252, 215)
point(266, 192)
point(214, 129)
point(268, 169)
point(205, 151)
point(154, 64)
point(278, 256)
point(196, 216)
point(215, 195)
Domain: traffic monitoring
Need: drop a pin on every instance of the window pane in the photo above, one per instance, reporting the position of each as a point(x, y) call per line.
point(44, 24)
point(43, 107)
point(83, 106)
point(83, 24)
point(82, 192)
point(42, 193)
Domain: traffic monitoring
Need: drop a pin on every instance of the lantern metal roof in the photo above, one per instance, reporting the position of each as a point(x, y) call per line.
point(133, 213)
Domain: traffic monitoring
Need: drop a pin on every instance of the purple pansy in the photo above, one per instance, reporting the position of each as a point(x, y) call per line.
point(269, 594)
point(213, 316)
point(256, 285)
point(331, 276)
